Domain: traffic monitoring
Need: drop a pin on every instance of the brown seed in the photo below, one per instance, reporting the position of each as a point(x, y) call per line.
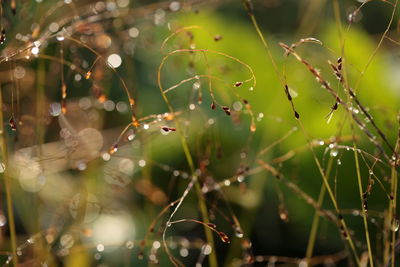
point(238, 84)
point(217, 37)
point(12, 124)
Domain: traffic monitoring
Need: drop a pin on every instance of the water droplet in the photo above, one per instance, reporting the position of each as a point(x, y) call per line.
point(334, 152)
point(395, 225)
point(60, 37)
point(114, 60)
point(227, 182)
point(156, 244)
point(35, 50)
point(66, 241)
point(207, 249)
point(2, 167)
point(237, 106)
point(129, 244)
point(238, 231)
point(3, 220)
point(142, 163)
point(184, 252)
point(196, 86)
point(284, 215)
point(55, 109)
point(100, 247)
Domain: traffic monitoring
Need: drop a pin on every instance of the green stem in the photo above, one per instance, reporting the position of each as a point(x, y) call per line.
point(364, 211)
point(202, 205)
point(343, 224)
point(7, 183)
point(315, 222)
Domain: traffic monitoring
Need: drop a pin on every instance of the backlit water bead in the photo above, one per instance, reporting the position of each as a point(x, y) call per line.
point(100, 247)
point(174, 6)
point(156, 244)
point(133, 32)
point(106, 156)
point(114, 60)
point(2, 167)
point(19, 72)
point(35, 50)
point(129, 244)
point(55, 109)
point(395, 225)
point(196, 85)
point(184, 252)
point(66, 241)
point(334, 152)
point(238, 232)
point(3, 220)
point(109, 105)
point(60, 37)
point(207, 249)
point(260, 116)
point(237, 106)
point(92, 209)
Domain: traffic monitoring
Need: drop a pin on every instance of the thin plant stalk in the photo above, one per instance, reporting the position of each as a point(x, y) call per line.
point(189, 159)
point(249, 9)
point(7, 183)
point(363, 207)
point(315, 222)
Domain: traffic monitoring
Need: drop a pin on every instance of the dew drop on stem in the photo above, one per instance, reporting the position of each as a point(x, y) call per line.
point(395, 225)
point(238, 231)
point(2, 167)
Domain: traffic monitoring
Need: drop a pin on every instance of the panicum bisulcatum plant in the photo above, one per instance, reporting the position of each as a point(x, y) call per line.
point(199, 133)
